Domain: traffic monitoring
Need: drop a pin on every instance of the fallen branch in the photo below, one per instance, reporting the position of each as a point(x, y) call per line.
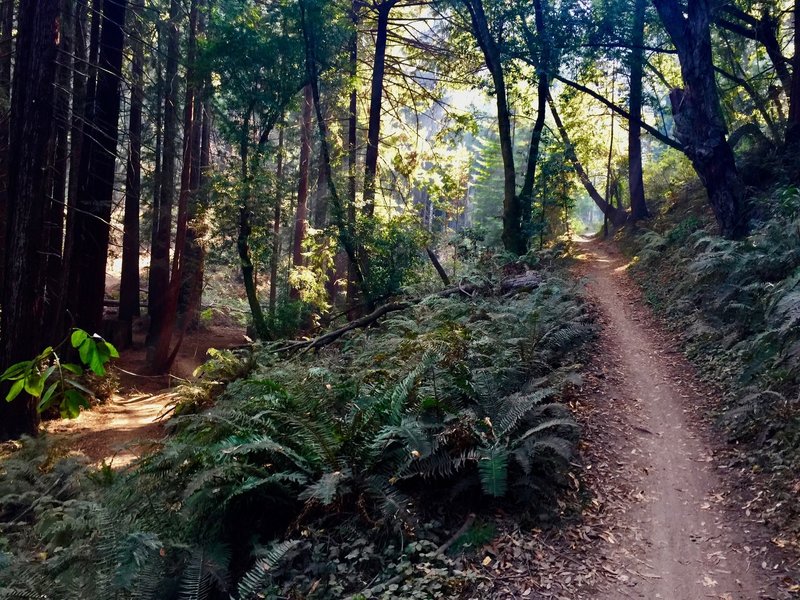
point(454, 538)
point(367, 320)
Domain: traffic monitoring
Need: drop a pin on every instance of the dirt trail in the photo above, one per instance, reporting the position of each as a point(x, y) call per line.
point(676, 537)
point(118, 431)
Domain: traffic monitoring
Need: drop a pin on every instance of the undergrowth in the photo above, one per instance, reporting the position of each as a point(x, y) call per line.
point(330, 475)
point(737, 307)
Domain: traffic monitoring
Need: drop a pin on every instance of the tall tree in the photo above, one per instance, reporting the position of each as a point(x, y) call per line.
point(88, 247)
point(376, 105)
point(636, 66)
point(32, 109)
point(793, 124)
point(129, 278)
point(162, 214)
point(699, 124)
point(6, 53)
point(301, 214)
point(163, 354)
point(542, 53)
point(513, 237)
point(276, 226)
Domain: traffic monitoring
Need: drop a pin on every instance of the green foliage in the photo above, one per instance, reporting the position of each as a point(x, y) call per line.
point(51, 381)
point(454, 398)
point(396, 249)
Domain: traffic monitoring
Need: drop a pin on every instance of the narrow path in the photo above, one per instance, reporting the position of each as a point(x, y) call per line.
point(120, 430)
point(673, 536)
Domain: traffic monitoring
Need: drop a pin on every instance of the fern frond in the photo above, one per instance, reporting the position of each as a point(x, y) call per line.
point(493, 470)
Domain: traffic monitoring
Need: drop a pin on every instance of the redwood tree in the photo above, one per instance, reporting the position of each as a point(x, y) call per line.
point(32, 111)
point(87, 250)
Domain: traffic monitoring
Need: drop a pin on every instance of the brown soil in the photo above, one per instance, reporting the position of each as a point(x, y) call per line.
point(667, 514)
point(119, 431)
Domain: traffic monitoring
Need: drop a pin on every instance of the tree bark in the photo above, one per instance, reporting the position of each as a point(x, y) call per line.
point(276, 228)
point(301, 214)
point(158, 286)
point(88, 248)
point(32, 110)
point(542, 92)
point(793, 123)
point(129, 279)
point(352, 143)
point(6, 52)
point(153, 283)
point(162, 355)
point(54, 225)
point(699, 124)
point(635, 178)
point(243, 248)
point(375, 107)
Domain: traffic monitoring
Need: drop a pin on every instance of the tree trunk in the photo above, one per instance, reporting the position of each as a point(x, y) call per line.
point(32, 111)
point(635, 178)
point(301, 214)
point(162, 355)
point(54, 225)
point(88, 248)
point(259, 323)
point(276, 228)
point(153, 283)
point(542, 91)
point(793, 124)
point(617, 217)
point(699, 124)
point(338, 212)
point(513, 238)
point(129, 280)
point(375, 107)
point(352, 143)
point(159, 255)
point(6, 52)
point(195, 254)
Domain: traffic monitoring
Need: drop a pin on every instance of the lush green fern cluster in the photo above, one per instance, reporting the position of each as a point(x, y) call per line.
point(305, 454)
point(738, 304)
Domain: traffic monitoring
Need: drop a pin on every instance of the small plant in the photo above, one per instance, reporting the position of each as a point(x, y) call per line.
point(50, 380)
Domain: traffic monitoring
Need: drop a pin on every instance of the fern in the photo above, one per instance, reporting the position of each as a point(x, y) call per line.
point(493, 469)
point(253, 583)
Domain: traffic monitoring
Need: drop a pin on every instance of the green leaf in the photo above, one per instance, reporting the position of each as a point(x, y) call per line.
point(15, 390)
point(72, 403)
point(16, 371)
point(72, 368)
point(34, 384)
point(45, 401)
point(96, 364)
point(78, 337)
point(87, 350)
point(112, 350)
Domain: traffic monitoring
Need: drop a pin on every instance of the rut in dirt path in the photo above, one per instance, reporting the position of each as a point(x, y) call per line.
point(679, 543)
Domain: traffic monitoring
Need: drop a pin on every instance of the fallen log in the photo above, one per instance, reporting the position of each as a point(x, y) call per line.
point(468, 290)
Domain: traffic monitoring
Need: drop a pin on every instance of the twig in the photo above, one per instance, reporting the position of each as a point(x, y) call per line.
point(461, 531)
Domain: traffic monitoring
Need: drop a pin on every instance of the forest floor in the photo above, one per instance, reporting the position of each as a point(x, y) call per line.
point(668, 512)
point(118, 431)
